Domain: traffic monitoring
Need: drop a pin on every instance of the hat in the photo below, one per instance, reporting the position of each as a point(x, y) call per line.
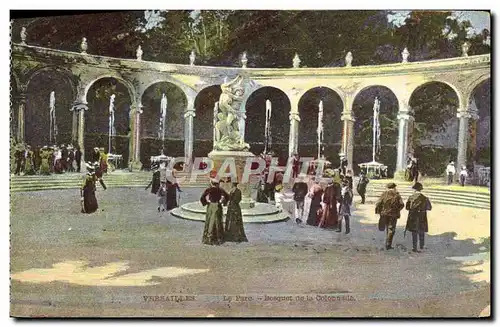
point(452, 163)
point(391, 185)
point(96, 148)
point(418, 186)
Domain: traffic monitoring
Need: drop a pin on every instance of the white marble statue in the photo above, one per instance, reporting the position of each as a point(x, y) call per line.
point(465, 49)
point(84, 45)
point(405, 54)
point(23, 35)
point(348, 59)
point(227, 130)
point(244, 60)
point(139, 53)
point(192, 58)
point(296, 61)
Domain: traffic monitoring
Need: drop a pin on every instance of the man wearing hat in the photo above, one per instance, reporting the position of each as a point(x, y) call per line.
point(417, 206)
point(389, 207)
point(343, 164)
point(299, 190)
point(450, 172)
point(361, 187)
point(155, 180)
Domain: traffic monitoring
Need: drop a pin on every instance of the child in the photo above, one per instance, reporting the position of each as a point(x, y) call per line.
point(162, 196)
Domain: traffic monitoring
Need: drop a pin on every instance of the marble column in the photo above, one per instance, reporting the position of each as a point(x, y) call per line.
point(463, 133)
point(189, 115)
point(74, 126)
point(242, 121)
point(20, 117)
point(80, 109)
point(404, 117)
point(294, 133)
point(348, 138)
point(134, 160)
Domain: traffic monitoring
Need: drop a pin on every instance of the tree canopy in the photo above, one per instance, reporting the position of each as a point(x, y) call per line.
point(271, 37)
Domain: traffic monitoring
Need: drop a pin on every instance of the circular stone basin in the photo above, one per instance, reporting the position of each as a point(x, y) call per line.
point(261, 213)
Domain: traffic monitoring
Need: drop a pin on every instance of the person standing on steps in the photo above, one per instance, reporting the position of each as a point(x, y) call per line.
point(78, 158)
point(450, 172)
point(361, 187)
point(417, 206)
point(414, 169)
point(389, 207)
point(463, 175)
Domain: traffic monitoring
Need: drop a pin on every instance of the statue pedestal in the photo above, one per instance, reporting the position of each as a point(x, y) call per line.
point(240, 159)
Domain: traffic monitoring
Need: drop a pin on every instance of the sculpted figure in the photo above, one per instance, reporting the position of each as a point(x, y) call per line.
point(227, 126)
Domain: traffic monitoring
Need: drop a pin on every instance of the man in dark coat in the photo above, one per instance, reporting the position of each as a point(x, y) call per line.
point(78, 158)
point(417, 206)
point(64, 158)
point(414, 169)
point(389, 207)
point(343, 164)
point(300, 190)
point(361, 187)
point(155, 180)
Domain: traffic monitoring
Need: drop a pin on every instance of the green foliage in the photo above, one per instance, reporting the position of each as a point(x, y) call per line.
point(271, 37)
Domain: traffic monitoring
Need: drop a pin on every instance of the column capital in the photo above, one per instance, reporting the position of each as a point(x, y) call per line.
point(137, 108)
point(348, 115)
point(405, 115)
point(471, 114)
point(190, 112)
point(77, 106)
point(294, 116)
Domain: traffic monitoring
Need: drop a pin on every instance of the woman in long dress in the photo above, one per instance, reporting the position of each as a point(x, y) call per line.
point(234, 231)
point(314, 211)
point(87, 192)
point(172, 189)
point(213, 198)
point(45, 156)
point(330, 198)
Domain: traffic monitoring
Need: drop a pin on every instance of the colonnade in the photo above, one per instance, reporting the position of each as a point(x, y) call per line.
point(405, 119)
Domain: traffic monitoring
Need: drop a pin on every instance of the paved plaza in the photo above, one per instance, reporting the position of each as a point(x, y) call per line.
point(130, 260)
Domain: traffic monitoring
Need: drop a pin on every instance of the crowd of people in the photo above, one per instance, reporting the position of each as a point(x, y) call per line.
point(47, 159)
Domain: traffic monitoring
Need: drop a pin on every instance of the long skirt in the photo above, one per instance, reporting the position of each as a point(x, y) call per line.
point(213, 234)
point(89, 201)
point(313, 218)
point(171, 197)
point(234, 231)
point(330, 217)
point(44, 167)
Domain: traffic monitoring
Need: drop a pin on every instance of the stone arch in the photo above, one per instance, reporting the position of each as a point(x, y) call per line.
point(67, 74)
point(97, 117)
point(255, 108)
point(362, 108)
point(308, 106)
point(39, 85)
point(127, 84)
point(151, 138)
point(433, 133)
point(459, 95)
point(479, 145)
point(188, 91)
point(204, 104)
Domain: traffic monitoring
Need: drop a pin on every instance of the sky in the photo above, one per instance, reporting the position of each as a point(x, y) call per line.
point(479, 19)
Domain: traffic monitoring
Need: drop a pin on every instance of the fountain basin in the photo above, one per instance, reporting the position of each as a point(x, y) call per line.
point(260, 213)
